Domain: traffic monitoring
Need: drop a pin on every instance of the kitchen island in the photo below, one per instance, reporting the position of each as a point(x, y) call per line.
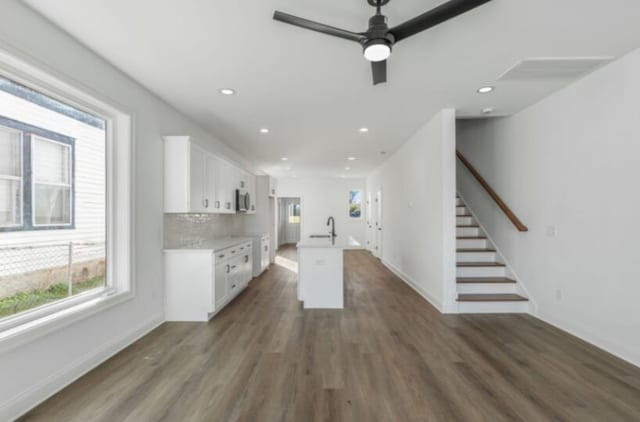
point(321, 271)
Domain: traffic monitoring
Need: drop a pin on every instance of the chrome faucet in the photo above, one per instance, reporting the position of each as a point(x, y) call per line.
point(333, 226)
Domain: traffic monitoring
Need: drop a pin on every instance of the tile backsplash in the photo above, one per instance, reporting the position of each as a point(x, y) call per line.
point(187, 229)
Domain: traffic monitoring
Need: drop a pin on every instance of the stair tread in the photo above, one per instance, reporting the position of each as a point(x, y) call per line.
point(485, 280)
point(470, 250)
point(493, 297)
point(464, 215)
point(472, 237)
point(468, 226)
point(480, 264)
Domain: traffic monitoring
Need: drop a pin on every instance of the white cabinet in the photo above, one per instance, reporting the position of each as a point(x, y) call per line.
point(273, 187)
point(261, 254)
point(196, 181)
point(221, 292)
point(225, 187)
point(199, 283)
point(251, 188)
point(188, 176)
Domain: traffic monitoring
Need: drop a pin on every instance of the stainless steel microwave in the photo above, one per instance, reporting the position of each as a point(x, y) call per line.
point(243, 200)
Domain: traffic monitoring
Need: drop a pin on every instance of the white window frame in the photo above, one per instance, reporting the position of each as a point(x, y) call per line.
point(14, 178)
point(120, 207)
point(69, 185)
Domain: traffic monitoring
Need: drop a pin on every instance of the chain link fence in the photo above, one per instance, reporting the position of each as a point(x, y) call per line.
point(37, 274)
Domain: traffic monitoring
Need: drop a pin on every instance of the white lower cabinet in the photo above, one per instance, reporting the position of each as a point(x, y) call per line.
point(199, 283)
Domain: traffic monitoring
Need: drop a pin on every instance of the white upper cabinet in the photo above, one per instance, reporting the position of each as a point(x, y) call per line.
point(186, 176)
point(273, 187)
point(197, 181)
point(251, 188)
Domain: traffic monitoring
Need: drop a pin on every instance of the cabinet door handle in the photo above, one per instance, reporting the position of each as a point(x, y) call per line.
point(228, 269)
point(233, 287)
point(221, 256)
point(266, 248)
point(228, 205)
point(217, 204)
point(246, 258)
point(205, 202)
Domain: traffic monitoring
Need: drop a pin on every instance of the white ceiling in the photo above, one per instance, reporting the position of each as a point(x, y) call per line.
point(314, 91)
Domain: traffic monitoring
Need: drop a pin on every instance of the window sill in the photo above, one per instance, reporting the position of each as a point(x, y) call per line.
point(31, 331)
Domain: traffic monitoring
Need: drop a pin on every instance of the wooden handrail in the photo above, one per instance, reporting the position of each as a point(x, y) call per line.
point(510, 215)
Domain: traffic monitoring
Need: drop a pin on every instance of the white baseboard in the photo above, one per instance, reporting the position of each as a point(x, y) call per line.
point(402, 276)
point(36, 394)
point(603, 345)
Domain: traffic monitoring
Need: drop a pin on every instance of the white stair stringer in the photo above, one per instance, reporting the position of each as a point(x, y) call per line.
point(485, 283)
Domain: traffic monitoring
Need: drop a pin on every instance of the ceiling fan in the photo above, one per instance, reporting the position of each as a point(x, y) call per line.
point(379, 39)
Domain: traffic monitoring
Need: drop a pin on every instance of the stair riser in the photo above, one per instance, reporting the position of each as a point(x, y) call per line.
point(489, 288)
point(476, 257)
point(464, 221)
point(461, 211)
point(459, 201)
point(481, 271)
point(471, 243)
point(467, 231)
point(493, 307)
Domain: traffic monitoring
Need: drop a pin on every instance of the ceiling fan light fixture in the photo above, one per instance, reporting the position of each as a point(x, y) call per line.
point(377, 50)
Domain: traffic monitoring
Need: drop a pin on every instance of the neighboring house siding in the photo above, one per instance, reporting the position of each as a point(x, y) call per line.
point(89, 174)
point(89, 196)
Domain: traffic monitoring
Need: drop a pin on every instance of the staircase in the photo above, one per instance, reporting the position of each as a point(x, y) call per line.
point(484, 283)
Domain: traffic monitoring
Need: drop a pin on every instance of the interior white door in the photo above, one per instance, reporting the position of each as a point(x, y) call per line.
point(378, 225)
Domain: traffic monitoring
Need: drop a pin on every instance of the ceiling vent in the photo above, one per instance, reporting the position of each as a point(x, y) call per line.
point(553, 68)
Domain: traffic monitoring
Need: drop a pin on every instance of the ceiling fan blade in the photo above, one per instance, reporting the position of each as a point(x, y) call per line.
point(433, 17)
point(318, 27)
point(379, 70)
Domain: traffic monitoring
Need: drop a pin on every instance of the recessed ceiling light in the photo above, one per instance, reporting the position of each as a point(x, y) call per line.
point(351, 158)
point(284, 159)
point(227, 91)
point(264, 130)
point(488, 110)
point(347, 168)
point(364, 129)
point(485, 89)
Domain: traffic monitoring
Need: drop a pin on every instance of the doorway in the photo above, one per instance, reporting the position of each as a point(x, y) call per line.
point(289, 221)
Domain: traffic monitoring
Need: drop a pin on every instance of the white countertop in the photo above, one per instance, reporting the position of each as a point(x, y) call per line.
point(214, 245)
point(338, 243)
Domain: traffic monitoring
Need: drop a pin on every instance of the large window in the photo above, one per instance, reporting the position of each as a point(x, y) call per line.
point(64, 200)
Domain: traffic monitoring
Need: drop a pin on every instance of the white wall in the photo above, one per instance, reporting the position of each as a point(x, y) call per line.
point(418, 210)
point(324, 197)
point(34, 370)
point(572, 160)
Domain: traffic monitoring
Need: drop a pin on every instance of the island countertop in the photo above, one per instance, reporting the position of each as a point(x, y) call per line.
point(324, 242)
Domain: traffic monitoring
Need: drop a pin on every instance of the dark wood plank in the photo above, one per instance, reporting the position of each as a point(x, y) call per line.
point(492, 297)
point(484, 280)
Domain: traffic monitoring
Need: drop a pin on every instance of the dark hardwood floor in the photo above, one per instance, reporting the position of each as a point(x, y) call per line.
point(389, 356)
